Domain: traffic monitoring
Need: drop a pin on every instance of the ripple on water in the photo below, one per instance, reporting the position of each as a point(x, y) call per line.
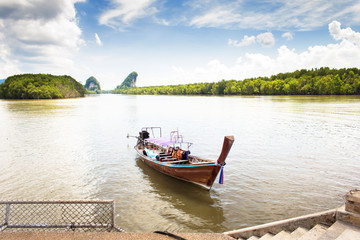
point(291, 156)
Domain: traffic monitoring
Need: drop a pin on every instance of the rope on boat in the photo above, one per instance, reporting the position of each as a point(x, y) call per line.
point(221, 178)
point(170, 235)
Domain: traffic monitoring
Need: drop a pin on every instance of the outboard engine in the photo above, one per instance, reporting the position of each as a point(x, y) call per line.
point(143, 134)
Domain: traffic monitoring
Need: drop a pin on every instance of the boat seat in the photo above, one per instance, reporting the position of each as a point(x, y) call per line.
point(178, 161)
point(168, 159)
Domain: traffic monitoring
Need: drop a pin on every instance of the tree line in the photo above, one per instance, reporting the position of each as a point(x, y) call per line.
point(318, 81)
point(40, 86)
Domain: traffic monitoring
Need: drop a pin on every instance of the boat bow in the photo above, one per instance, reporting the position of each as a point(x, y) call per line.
point(228, 142)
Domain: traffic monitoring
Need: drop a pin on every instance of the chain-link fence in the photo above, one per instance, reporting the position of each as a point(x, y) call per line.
point(84, 216)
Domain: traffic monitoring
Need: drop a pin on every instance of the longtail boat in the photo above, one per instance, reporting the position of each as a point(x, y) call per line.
point(171, 156)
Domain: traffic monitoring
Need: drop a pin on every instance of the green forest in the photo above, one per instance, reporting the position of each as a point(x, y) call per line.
point(318, 81)
point(41, 86)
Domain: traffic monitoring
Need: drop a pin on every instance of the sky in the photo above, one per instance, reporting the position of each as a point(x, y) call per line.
point(171, 42)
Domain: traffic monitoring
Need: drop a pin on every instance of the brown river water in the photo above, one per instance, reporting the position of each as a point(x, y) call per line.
point(292, 155)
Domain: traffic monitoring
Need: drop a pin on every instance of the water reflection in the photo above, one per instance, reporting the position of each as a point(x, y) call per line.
point(201, 208)
point(38, 107)
point(308, 99)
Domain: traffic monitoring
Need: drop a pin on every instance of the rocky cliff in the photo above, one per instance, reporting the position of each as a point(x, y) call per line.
point(129, 82)
point(92, 84)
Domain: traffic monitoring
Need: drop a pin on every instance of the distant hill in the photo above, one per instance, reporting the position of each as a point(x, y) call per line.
point(41, 86)
point(92, 85)
point(2, 80)
point(129, 82)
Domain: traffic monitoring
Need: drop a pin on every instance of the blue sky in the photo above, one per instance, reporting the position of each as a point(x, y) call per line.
point(176, 42)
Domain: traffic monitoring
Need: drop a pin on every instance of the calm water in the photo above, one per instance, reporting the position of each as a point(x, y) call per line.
point(291, 156)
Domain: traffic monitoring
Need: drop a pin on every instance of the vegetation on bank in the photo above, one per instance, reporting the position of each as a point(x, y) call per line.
point(322, 81)
point(41, 86)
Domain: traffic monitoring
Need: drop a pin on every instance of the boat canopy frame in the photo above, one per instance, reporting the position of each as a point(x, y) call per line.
point(176, 140)
point(148, 129)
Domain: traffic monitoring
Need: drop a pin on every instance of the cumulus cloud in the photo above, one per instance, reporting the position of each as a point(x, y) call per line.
point(7, 65)
point(98, 40)
point(340, 34)
point(246, 41)
point(124, 12)
point(25, 9)
point(344, 54)
point(266, 39)
point(36, 32)
point(287, 35)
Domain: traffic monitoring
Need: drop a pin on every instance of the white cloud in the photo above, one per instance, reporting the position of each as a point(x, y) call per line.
point(266, 39)
point(98, 40)
point(162, 21)
point(217, 17)
point(234, 14)
point(124, 12)
point(344, 54)
point(7, 66)
point(246, 41)
point(339, 34)
point(287, 35)
point(38, 33)
point(284, 14)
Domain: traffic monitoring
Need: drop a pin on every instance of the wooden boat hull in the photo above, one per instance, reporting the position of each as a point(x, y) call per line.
point(203, 175)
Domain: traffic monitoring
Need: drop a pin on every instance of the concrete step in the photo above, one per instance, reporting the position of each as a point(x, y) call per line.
point(349, 234)
point(350, 217)
point(283, 235)
point(314, 233)
point(306, 221)
point(337, 229)
point(298, 233)
point(267, 236)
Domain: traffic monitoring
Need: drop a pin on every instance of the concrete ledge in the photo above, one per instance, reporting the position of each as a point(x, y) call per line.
point(306, 221)
point(108, 236)
point(349, 217)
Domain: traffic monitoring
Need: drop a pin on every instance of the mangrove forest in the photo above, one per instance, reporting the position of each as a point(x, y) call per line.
point(41, 86)
point(318, 81)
